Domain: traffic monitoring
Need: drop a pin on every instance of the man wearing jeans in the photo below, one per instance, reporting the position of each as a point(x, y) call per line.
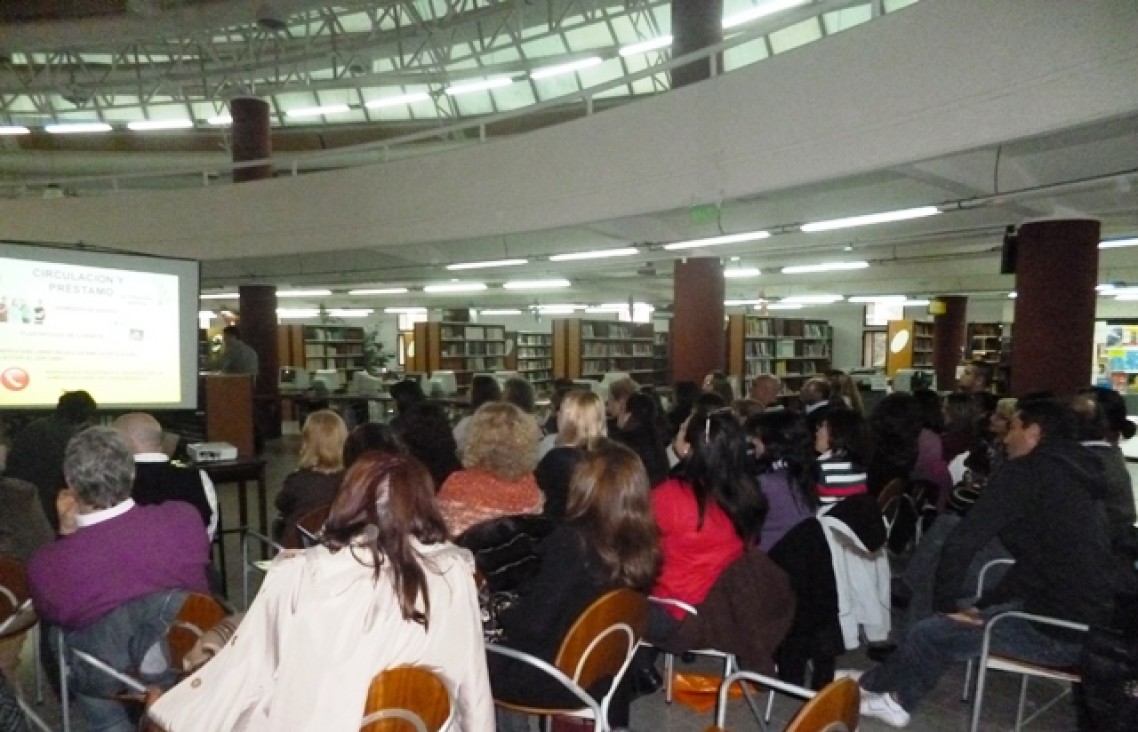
point(1045, 504)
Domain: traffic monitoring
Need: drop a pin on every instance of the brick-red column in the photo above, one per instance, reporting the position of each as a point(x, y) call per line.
point(698, 338)
point(696, 24)
point(949, 331)
point(1053, 332)
point(258, 327)
point(252, 137)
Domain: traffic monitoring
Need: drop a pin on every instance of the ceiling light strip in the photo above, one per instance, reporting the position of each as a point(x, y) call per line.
point(490, 263)
point(762, 11)
point(652, 44)
point(537, 284)
point(568, 68)
point(384, 102)
point(715, 241)
point(453, 287)
point(476, 86)
point(379, 291)
point(824, 267)
point(152, 125)
point(76, 128)
point(595, 254)
point(868, 219)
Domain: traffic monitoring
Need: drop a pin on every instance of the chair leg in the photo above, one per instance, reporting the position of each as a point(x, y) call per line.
point(669, 668)
point(977, 697)
point(36, 630)
point(1022, 702)
point(770, 706)
point(64, 700)
point(964, 691)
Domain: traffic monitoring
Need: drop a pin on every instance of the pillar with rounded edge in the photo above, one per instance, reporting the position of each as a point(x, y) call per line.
point(252, 137)
point(258, 326)
point(698, 335)
point(949, 331)
point(696, 24)
point(1053, 332)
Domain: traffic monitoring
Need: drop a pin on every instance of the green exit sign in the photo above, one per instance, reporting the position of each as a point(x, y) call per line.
point(702, 214)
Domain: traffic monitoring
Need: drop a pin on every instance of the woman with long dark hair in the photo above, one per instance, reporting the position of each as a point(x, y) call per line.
point(384, 589)
point(785, 472)
point(637, 428)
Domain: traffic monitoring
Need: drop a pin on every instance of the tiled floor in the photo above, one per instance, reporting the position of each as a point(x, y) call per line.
point(942, 711)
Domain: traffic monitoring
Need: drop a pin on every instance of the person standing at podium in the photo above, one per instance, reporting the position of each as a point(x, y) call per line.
point(238, 357)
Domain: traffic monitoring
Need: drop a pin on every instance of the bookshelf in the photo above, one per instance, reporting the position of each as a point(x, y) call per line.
point(794, 349)
point(909, 345)
point(992, 344)
point(533, 353)
point(588, 349)
point(464, 348)
point(661, 366)
point(315, 347)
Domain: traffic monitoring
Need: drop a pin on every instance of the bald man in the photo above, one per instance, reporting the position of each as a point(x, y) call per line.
point(157, 479)
point(765, 389)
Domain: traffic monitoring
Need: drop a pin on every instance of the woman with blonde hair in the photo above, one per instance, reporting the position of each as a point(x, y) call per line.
point(317, 478)
point(580, 421)
point(383, 589)
point(497, 475)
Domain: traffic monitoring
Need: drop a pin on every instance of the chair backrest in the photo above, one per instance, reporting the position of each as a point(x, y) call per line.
point(833, 709)
point(892, 490)
point(603, 637)
point(198, 614)
point(14, 597)
point(310, 524)
point(402, 692)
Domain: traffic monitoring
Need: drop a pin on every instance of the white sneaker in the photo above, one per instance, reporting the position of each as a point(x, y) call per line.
point(883, 707)
point(848, 673)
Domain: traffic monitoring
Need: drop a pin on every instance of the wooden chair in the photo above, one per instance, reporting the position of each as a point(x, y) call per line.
point(833, 709)
point(16, 614)
point(407, 698)
point(309, 526)
point(600, 644)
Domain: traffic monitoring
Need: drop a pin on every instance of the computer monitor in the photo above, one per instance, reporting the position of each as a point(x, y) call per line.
point(365, 384)
point(292, 377)
point(910, 380)
point(504, 376)
point(328, 380)
point(442, 383)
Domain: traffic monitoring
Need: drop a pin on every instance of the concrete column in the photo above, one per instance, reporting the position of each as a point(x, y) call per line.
point(258, 327)
point(698, 338)
point(252, 137)
point(949, 331)
point(696, 24)
point(1053, 332)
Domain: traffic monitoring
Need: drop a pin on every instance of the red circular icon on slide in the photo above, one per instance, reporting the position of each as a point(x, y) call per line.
point(14, 379)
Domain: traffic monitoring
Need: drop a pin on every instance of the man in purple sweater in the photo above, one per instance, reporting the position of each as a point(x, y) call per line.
point(112, 551)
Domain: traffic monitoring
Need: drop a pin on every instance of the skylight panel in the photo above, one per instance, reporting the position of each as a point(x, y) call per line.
point(514, 96)
point(840, 20)
point(549, 46)
point(744, 54)
point(501, 56)
point(795, 35)
point(473, 103)
point(606, 71)
point(588, 38)
point(651, 85)
point(355, 22)
point(894, 5)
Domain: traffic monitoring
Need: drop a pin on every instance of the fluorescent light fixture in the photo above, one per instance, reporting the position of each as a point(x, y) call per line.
point(219, 296)
point(149, 125)
point(812, 299)
point(77, 128)
point(1127, 297)
point(1106, 287)
point(480, 85)
point(380, 291)
point(454, 287)
point(14, 130)
point(618, 307)
point(492, 263)
point(595, 254)
point(651, 44)
point(205, 314)
point(762, 11)
point(1118, 243)
point(536, 284)
point(502, 311)
point(781, 306)
point(318, 111)
point(397, 100)
point(1011, 296)
point(303, 293)
point(736, 273)
point(565, 68)
point(823, 267)
point(737, 303)
point(350, 312)
point(297, 312)
point(867, 219)
point(220, 120)
point(558, 309)
point(877, 298)
point(716, 241)
point(915, 303)
point(1115, 291)
point(405, 311)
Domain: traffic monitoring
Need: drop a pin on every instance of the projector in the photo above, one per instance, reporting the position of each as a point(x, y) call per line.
point(208, 452)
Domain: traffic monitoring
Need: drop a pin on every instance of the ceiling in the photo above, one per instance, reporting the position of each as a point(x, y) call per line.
point(123, 60)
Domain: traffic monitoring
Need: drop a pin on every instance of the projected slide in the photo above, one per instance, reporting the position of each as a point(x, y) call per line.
point(116, 332)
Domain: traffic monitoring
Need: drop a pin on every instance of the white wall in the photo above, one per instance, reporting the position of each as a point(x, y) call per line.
point(943, 76)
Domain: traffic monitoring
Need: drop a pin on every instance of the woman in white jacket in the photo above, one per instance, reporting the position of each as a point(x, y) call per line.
point(384, 589)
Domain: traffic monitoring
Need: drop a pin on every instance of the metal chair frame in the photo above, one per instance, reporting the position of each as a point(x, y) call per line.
point(773, 685)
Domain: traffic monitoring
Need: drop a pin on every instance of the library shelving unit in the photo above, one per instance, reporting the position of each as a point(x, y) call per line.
point(588, 349)
point(533, 353)
point(794, 349)
point(908, 345)
point(464, 348)
point(316, 347)
point(661, 370)
point(991, 343)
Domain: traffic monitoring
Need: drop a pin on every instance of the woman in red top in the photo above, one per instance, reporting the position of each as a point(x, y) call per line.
point(706, 513)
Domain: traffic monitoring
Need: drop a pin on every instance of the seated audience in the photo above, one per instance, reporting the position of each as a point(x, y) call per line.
point(1102, 424)
point(959, 433)
point(844, 389)
point(23, 530)
point(894, 425)
point(684, 394)
point(427, 434)
point(371, 436)
point(561, 387)
point(1044, 505)
point(977, 376)
point(483, 388)
point(37, 450)
point(405, 394)
point(931, 465)
point(519, 392)
point(841, 445)
point(717, 382)
point(384, 589)
point(497, 475)
point(156, 478)
point(607, 541)
point(317, 478)
point(815, 396)
point(580, 422)
point(637, 429)
point(785, 472)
